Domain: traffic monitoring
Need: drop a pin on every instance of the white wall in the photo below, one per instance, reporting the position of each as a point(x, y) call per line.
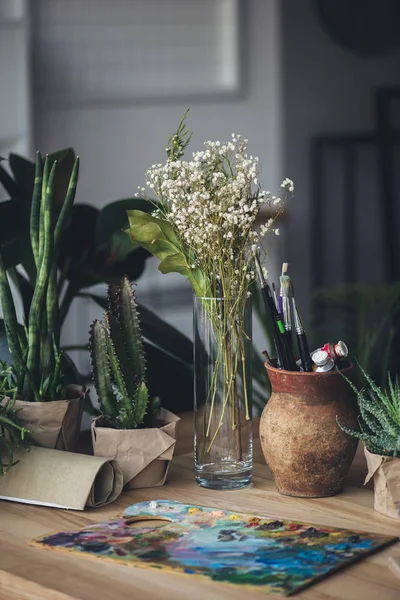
point(325, 90)
point(14, 76)
point(118, 144)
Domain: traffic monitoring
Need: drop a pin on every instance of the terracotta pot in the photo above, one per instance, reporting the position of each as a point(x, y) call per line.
point(307, 452)
point(385, 471)
point(54, 424)
point(143, 455)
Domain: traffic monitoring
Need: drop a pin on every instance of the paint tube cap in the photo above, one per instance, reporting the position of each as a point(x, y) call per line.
point(320, 358)
point(341, 349)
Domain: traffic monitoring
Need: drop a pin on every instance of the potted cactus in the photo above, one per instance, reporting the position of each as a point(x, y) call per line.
point(47, 404)
point(133, 429)
point(379, 421)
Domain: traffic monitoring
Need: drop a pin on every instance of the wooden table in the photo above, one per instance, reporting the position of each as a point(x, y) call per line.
point(34, 574)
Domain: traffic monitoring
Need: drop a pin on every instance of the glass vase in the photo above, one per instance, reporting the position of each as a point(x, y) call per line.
point(222, 392)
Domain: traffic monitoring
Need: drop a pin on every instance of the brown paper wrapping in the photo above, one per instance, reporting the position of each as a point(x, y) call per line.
point(61, 479)
point(54, 424)
point(386, 473)
point(144, 455)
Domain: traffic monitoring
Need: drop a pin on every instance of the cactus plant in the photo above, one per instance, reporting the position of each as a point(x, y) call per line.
point(118, 361)
point(379, 417)
point(35, 352)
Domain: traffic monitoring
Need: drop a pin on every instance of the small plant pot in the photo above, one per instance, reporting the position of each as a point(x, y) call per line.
point(385, 471)
point(143, 455)
point(54, 424)
point(307, 452)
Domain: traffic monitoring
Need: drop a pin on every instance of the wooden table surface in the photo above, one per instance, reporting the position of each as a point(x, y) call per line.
point(35, 574)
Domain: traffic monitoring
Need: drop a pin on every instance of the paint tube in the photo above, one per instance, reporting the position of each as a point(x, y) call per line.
point(322, 362)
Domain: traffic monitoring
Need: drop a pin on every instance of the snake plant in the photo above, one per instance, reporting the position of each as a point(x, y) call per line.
point(35, 350)
point(379, 417)
point(118, 361)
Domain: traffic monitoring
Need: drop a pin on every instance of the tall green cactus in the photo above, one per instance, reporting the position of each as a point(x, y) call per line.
point(36, 355)
point(118, 361)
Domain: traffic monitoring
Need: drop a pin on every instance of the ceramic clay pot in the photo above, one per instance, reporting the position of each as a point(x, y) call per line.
point(307, 452)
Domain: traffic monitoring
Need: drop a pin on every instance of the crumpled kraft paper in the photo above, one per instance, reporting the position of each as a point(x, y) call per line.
point(386, 473)
point(54, 424)
point(61, 479)
point(144, 455)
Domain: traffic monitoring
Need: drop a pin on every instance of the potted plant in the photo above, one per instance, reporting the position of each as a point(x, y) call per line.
point(48, 403)
point(133, 429)
point(379, 422)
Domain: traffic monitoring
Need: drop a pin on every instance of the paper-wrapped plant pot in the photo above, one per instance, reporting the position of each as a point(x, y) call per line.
point(144, 455)
point(55, 424)
point(385, 470)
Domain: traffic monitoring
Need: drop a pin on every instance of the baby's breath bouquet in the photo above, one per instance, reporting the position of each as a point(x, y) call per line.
point(203, 226)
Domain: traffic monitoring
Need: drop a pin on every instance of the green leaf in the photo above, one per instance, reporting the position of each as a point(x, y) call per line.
point(158, 237)
point(169, 379)
point(84, 264)
point(175, 263)
point(14, 234)
point(8, 182)
point(113, 218)
point(24, 175)
point(155, 330)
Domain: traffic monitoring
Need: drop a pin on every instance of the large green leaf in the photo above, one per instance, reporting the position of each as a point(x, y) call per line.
point(156, 331)
point(24, 175)
point(8, 182)
point(113, 218)
point(83, 263)
point(14, 234)
point(158, 237)
point(169, 379)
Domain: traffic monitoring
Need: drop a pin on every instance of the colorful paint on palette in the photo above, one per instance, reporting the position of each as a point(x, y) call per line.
point(233, 548)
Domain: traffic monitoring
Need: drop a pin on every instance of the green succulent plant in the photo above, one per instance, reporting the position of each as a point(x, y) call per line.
point(379, 417)
point(118, 361)
point(35, 352)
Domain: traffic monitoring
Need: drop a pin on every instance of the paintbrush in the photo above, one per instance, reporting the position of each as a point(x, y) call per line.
point(275, 296)
point(286, 313)
point(284, 354)
point(282, 279)
point(304, 350)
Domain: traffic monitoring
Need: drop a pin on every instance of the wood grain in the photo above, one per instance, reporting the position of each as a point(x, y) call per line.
point(28, 573)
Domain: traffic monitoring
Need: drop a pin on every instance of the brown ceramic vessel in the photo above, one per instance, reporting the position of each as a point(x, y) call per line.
point(308, 454)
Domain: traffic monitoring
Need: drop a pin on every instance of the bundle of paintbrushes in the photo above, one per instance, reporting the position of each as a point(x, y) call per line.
point(282, 314)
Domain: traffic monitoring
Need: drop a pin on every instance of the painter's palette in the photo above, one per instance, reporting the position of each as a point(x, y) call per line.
point(234, 548)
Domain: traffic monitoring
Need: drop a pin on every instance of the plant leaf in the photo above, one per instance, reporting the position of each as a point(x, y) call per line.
point(158, 237)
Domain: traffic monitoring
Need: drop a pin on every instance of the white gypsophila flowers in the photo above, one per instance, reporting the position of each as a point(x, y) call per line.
point(213, 201)
point(288, 185)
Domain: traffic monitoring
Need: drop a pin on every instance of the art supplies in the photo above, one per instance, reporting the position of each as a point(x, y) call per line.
point(322, 362)
point(302, 342)
point(336, 351)
point(281, 279)
point(247, 550)
point(275, 296)
point(284, 353)
point(331, 355)
point(286, 312)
